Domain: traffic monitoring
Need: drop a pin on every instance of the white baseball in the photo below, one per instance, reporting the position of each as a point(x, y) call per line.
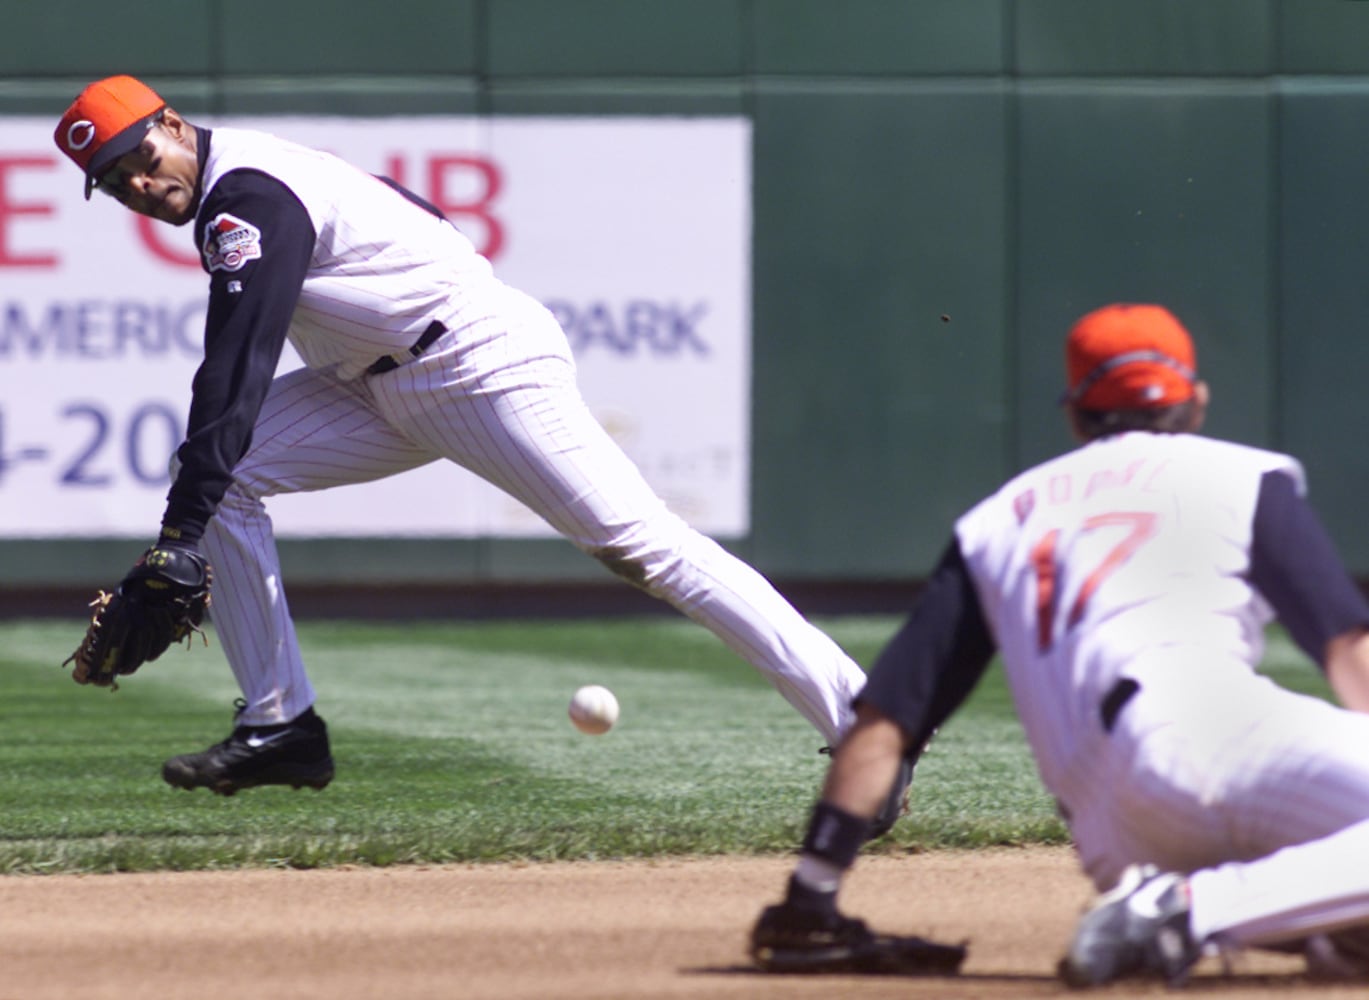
point(593, 709)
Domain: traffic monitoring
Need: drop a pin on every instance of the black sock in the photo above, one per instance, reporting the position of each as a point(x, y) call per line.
point(835, 836)
point(803, 897)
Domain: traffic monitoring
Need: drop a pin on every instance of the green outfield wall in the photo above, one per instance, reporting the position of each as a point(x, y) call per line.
point(940, 187)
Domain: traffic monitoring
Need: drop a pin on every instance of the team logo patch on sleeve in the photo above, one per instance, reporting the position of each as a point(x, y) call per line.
point(229, 243)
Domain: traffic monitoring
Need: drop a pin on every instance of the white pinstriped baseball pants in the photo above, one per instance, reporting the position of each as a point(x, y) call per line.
point(497, 396)
point(1262, 794)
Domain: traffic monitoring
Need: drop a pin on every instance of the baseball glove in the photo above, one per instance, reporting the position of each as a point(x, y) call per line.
point(162, 600)
point(788, 940)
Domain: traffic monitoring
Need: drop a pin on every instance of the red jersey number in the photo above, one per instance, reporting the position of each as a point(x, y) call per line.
point(1140, 526)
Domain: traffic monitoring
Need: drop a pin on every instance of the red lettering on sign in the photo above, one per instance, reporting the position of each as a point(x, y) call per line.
point(153, 236)
point(446, 171)
point(10, 209)
point(463, 188)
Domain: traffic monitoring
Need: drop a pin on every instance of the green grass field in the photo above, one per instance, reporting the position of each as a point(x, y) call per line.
point(452, 744)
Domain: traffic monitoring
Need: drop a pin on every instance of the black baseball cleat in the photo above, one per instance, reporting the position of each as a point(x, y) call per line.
point(1341, 956)
point(787, 939)
point(295, 753)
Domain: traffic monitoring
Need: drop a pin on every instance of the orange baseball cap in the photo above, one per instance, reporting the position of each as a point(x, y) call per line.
point(1129, 357)
point(107, 120)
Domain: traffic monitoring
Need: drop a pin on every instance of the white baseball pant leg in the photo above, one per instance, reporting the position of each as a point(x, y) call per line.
point(1267, 808)
point(313, 432)
point(1306, 801)
point(501, 401)
point(498, 397)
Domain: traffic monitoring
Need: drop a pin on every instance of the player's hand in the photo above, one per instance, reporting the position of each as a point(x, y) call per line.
point(161, 600)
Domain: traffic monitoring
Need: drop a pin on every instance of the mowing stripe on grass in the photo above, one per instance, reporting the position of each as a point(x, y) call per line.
point(453, 744)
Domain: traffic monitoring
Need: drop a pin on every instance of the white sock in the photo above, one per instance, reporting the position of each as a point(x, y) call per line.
point(814, 873)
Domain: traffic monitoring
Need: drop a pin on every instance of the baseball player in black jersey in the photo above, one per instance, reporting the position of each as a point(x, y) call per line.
point(413, 351)
point(1126, 586)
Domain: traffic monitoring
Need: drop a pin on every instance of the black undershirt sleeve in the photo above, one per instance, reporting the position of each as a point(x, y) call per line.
point(935, 660)
point(250, 306)
point(1295, 566)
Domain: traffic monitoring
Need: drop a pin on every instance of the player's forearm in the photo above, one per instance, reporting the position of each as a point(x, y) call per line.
point(1347, 668)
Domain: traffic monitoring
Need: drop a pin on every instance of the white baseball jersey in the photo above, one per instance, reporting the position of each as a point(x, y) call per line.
point(1129, 557)
point(414, 351)
point(1127, 585)
point(379, 271)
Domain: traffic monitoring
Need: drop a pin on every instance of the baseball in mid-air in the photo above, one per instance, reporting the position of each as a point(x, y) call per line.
point(593, 709)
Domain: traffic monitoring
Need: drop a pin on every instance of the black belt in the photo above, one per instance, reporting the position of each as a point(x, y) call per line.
point(1115, 700)
point(389, 364)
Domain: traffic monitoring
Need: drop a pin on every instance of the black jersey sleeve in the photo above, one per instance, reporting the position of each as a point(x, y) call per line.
point(934, 661)
point(1295, 566)
point(256, 240)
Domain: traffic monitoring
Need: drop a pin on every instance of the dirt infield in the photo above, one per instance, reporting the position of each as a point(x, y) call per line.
point(628, 930)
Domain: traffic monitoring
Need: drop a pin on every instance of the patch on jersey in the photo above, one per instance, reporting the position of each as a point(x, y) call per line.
point(229, 243)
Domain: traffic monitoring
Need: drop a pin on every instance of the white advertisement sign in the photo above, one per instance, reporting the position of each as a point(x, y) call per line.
point(635, 232)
